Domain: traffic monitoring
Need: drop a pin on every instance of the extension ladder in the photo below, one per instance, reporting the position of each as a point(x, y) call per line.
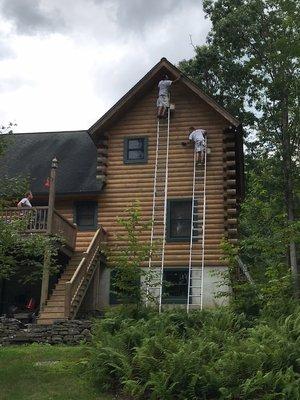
point(196, 268)
point(159, 209)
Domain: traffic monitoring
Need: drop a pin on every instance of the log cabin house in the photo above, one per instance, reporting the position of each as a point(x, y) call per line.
point(116, 161)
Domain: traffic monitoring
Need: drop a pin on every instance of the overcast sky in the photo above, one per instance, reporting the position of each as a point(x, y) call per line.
point(63, 63)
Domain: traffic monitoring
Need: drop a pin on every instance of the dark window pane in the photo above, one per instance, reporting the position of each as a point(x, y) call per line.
point(134, 144)
point(180, 219)
point(135, 154)
point(181, 209)
point(180, 228)
point(85, 220)
point(175, 285)
point(86, 214)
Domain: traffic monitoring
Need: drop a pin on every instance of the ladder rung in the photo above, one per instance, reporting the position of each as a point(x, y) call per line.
point(195, 287)
point(195, 295)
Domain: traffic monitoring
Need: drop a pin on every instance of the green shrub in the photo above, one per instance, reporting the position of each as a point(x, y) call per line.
point(212, 354)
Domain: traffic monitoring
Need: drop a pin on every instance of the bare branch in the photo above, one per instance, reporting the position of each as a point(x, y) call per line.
point(191, 42)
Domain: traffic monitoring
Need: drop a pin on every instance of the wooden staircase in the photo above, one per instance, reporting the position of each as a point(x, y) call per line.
point(70, 290)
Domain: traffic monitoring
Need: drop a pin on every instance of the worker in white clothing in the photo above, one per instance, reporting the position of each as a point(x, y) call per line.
point(163, 100)
point(25, 202)
point(198, 138)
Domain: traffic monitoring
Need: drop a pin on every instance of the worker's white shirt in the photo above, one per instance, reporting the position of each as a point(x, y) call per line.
point(25, 203)
point(197, 135)
point(164, 87)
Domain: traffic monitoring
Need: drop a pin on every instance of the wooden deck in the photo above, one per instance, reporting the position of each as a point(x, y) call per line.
point(36, 222)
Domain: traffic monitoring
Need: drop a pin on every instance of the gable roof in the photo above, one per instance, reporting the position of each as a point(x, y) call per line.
point(161, 68)
point(30, 155)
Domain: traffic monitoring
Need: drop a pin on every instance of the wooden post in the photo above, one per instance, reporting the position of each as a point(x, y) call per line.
point(47, 255)
point(67, 299)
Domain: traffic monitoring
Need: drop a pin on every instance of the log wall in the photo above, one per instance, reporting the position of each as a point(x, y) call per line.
point(128, 182)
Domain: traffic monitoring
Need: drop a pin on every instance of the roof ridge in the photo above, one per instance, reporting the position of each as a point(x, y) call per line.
point(122, 104)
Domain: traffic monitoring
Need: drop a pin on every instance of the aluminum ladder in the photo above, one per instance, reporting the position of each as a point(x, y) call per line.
point(159, 210)
point(197, 236)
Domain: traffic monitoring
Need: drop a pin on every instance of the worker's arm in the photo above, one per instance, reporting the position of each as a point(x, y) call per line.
point(177, 79)
point(189, 143)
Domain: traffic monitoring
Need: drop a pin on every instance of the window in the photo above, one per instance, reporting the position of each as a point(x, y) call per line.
point(85, 215)
point(175, 285)
point(179, 219)
point(135, 150)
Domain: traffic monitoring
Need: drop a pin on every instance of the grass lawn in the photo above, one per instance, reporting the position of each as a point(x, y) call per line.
point(44, 372)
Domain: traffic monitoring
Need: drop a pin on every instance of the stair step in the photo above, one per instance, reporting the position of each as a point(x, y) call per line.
point(68, 274)
point(47, 321)
point(57, 297)
point(53, 315)
point(59, 289)
point(55, 303)
point(52, 309)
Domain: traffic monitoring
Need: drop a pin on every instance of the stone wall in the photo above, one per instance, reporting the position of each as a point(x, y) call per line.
point(13, 331)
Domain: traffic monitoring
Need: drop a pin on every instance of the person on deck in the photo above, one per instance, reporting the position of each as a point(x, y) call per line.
point(25, 202)
point(198, 137)
point(163, 101)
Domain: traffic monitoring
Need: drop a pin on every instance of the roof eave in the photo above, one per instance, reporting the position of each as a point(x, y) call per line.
point(136, 89)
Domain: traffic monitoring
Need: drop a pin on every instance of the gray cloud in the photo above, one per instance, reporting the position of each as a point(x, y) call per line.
point(139, 15)
point(136, 15)
point(31, 16)
point(108, 18)
point(118, 40)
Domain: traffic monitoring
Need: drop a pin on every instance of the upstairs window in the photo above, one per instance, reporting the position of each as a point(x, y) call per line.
point(85, 215)
point(179, 220)
point(135, 150)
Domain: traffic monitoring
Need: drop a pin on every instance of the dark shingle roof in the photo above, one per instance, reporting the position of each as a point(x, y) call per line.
point(30, 155)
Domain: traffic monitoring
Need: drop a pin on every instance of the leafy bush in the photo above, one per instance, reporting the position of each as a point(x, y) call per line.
point(213, 354)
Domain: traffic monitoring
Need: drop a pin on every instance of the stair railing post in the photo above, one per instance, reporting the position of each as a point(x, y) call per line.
point(47, 255)
point(67, 299)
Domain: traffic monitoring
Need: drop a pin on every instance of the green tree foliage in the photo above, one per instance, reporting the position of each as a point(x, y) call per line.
point(127, 260)
point(21, 255)
point(11, 188)
point(251, 65)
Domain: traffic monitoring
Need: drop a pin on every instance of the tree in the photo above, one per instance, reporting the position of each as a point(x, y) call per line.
point(127, 261)
point(21, 256)
point(251, 65)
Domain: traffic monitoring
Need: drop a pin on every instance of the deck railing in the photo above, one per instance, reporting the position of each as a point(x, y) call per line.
point(36, 222)
point(75, 288)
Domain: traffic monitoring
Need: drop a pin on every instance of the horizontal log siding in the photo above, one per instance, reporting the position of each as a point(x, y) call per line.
point(126, 183)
